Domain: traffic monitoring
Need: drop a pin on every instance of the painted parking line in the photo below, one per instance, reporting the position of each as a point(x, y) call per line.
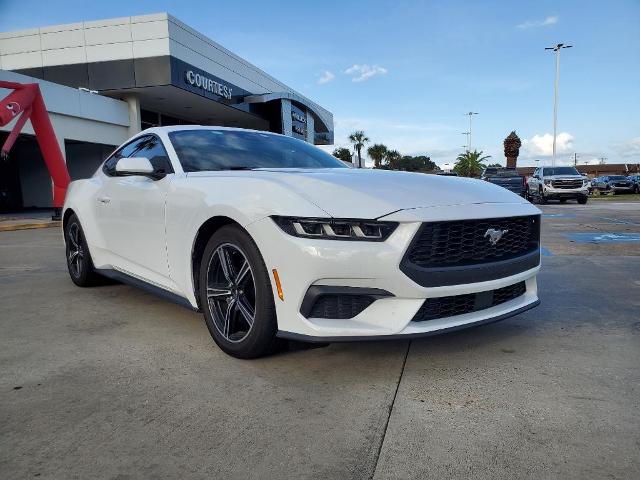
point(600, 237)
point(619, 221)
point(558, 215)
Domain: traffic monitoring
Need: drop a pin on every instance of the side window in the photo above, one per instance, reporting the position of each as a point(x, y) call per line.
point(147, 146)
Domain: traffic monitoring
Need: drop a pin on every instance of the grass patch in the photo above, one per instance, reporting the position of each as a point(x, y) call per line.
point(624, 197)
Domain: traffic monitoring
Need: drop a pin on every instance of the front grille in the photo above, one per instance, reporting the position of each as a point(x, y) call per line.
point(566, 183)
point(340, 306)
point(466, 242)
point(443, 307)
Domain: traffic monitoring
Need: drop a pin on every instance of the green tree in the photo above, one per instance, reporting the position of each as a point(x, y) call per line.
point(377, 153)
point(392, 159)
point(343, 154)
point(358, 138)
point(420, 163)
point(469, 164)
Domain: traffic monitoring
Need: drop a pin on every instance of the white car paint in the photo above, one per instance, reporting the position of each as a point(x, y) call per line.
point(146, 229)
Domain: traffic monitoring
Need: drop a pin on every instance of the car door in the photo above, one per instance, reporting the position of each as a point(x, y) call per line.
point(131, 213)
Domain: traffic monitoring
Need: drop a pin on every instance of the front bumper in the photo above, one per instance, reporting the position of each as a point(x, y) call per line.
point(551, 192)
point(303, 263)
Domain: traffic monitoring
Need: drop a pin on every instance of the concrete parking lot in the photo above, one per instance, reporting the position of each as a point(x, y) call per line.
point(111, 382)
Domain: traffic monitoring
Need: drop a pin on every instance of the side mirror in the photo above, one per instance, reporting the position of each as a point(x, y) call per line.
point(130, 166)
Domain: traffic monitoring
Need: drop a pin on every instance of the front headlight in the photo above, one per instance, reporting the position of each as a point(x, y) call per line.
point(547, 182)
point(336, 228)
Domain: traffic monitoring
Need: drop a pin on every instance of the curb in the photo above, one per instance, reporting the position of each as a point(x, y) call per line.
point(12, 227)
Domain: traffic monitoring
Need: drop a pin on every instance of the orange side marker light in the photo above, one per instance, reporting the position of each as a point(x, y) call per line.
point(276, 277)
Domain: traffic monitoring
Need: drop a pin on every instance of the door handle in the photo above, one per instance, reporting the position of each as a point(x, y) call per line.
point(104, 199)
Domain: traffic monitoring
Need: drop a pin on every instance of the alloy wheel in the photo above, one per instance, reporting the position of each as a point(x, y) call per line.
point(76, 252)
point(231, 292)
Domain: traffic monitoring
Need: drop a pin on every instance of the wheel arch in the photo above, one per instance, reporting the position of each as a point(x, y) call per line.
point(204, 233)
point(65, 218)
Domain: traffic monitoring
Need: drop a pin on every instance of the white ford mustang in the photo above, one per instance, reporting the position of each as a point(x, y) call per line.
point(271, 237)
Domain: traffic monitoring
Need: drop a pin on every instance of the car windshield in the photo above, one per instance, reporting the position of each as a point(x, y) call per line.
point(617, 177)
point(206, 150)
point(561, 171)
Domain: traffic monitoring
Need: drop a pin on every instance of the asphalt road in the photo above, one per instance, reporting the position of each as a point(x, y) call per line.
point(113, 383)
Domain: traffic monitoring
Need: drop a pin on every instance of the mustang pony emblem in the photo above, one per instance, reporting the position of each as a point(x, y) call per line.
point(494, 235)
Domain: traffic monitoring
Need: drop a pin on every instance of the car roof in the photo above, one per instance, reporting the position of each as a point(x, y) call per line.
point(177, 128)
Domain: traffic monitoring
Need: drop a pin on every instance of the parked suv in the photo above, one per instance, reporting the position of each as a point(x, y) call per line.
point(558, 183)
point(635, 180)
point(613, 184)
point(508, 178)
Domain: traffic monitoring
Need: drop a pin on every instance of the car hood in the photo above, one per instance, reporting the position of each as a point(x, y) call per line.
point(564, 177)
point(365, 193)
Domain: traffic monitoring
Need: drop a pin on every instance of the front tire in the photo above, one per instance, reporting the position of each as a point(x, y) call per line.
point(583, 200)
point(542, 200)
point(79, 261)
point(236, 296)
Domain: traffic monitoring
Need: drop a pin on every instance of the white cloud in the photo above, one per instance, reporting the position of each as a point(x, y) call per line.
point(630, 149)
point(542, 145)
point(360, 73)
point(326, 77)
point(547, 22)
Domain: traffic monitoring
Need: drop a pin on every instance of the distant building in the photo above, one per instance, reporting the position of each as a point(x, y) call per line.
point(142, 71)
point(447, 167)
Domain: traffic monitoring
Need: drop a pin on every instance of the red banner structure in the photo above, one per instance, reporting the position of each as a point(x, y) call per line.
point(26, 102)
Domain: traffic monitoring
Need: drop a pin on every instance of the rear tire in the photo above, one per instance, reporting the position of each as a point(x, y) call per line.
point(236, 296)
point(79, 261)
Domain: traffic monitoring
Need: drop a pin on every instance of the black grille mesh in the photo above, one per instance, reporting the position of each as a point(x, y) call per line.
point(505, 294)
point(443, 307)
point(566, 183)
point(340, 306)
point(464, 242)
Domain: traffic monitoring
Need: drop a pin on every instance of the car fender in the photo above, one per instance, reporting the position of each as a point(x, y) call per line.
point(193, 201)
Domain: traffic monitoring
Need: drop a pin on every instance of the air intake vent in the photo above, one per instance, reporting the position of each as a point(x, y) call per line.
point(339, 306)
point(443, 307)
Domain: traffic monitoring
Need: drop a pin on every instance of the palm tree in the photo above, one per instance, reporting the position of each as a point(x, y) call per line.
point(393, 158)
point(377, 152)
point(358, 138)
point(469, 164)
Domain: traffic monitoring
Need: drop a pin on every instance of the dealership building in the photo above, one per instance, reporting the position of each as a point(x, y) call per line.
point(103, 81)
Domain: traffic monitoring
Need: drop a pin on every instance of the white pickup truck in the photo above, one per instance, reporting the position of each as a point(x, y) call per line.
point(557, 183)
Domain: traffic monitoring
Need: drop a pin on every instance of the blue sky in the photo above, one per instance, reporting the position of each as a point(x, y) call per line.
point(405, 72)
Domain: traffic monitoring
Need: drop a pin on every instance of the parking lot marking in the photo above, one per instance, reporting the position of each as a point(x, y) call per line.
point(601, 237)
point(558, 215)
point(620, 221)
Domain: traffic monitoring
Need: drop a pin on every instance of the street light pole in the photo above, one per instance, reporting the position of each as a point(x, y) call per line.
point(469, 138)
point(468, 134)
point(556, 49)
